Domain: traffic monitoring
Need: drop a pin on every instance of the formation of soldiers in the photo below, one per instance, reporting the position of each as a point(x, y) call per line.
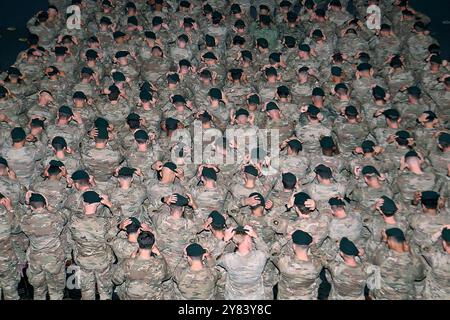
point(92, 176)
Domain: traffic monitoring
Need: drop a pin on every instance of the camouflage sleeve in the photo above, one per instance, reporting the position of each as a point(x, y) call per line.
point(119, 274)
point(262, 246)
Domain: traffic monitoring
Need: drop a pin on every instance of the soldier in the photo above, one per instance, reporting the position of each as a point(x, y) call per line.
point(299, 270)
point(245, 267)
point(142, 275)
point(398, 268)
point(348, 273)
point(436, 282)
point(45, 254)
point(22, 156)
point(197, 279)
point(91, 232)
point(9, 262)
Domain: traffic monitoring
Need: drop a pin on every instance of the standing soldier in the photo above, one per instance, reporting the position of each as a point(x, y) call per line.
point(91, 233)
point(142, 274)
point(197, 279)
point(45, 254)
point(299, 270)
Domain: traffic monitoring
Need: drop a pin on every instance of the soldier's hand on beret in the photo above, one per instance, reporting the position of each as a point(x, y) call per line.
point(250, 231)
point(6, 202)
point(252, 201)
point(105, 200)
point(207, 223)
point(269, 205)
point(310, 204)
point(125, 223)
point(145, 227)
point(170, 199)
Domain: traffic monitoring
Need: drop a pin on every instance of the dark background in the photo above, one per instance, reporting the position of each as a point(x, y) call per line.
point(16, 13)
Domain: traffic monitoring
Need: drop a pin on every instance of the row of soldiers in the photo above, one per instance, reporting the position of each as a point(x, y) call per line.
point(100, 125)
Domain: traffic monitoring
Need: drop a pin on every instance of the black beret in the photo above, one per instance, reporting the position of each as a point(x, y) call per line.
point(348, 247)
point(340, 86)
point(56, 163)
point(272, 106)
point(157, 20)
point(121, 54)
point(215, 93)
point(118, 76)
point(300, 198)
point(414, 91)
point(91, 197)
point(150, 35)
point(209, 55)
point(313, 110)
point(18, 134)
point(336, 202)
point(173, 78)
point(61, 50)
point(91, 54)
point(101, 122)
point(336, 71)
point(261, 42)
point(247, 55)
point(369, 170)
point(37, 123)
point(59, 141)
point(105, 20)
point(170, 165)
point(411, 154)
point(195, 250)
point(184, 63)
point(289, 178)
point(80, 175)
point(14, 71)
point(444, 138)
point(323, 171)
point(364, 66)
point(205, 116)
point(253, 99)
point(446, 234)
point(271, 71)
point(102, 133)
point(87, 70)
point(275, 56)
point(389, 207)
point(304, 47)
point(210, 41)
point(283, 91)
point(37, 197)
point(118, 34)
point(141, 135)
point(171, 123)
point(378, 92)
point(132, 20)
point(181, 200)
point(209, 173)
point(79, 95)
point(295, 145)
point(126, 172)
point(3, 161)
point(392, 114)
point(327, 142)
point(351, 111)
point(145, 95)
point(242, 112)
point(250, 169)
point(133, 116)
point(218, 221)
point(429, 198)
point(368, 146)
point(301, 238)
point(262, 201)
point(178, 99)
point(396, 233)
